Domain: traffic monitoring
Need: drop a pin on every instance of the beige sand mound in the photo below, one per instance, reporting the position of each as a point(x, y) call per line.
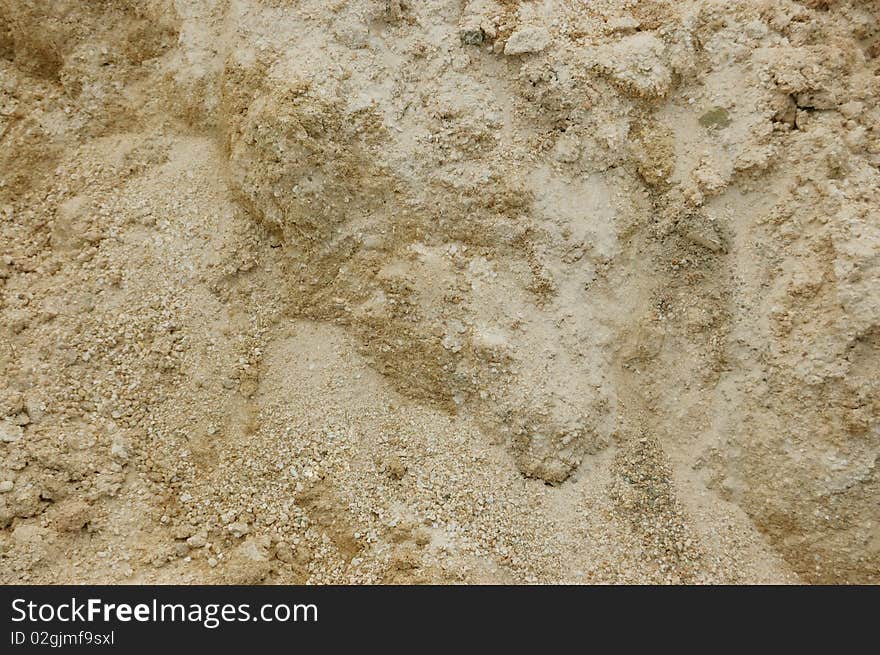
point(441, 291)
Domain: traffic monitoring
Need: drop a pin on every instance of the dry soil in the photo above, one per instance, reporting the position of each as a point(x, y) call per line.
point(439, 291)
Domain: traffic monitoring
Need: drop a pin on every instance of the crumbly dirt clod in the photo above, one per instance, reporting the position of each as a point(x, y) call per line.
point(482, 291)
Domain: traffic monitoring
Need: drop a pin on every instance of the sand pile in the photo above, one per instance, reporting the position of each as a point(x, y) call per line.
point(441, 291)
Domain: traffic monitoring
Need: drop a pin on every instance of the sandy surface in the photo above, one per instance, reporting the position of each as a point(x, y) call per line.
point(439, 291)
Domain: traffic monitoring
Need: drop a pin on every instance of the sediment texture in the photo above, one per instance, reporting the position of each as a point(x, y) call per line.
point(442, 291)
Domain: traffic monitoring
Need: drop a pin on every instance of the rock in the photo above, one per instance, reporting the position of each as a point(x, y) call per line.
point(238, 529)
point(396, 468)
point(10, 432)
point(302, 555)
point(26, 503)
point(34, 410)
point(73, 516)
point(284, 553)
point(249, 563)
point(715, 117)
point(6, 486)
point(254, 549)
point(705, 238)
point(373, 242)
point(119, 449)
point(567, 149)
point(637, 63)
point(422, 537)
point(851, 109)
point(472, 36)
point(527, 40)
point(198, 540)
point(622, 24)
